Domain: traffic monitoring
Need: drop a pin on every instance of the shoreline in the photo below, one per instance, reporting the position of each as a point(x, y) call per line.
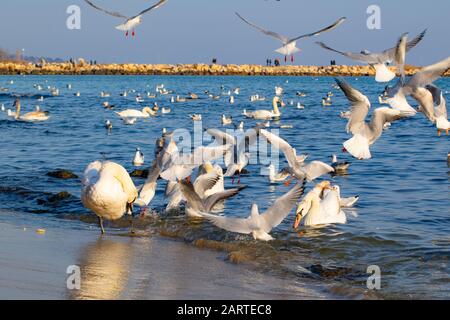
point(82, 68)
point(130, 267)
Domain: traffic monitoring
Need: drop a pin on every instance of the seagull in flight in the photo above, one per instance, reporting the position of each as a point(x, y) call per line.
point(289, 45)
point(378, 60)
point(130, 22)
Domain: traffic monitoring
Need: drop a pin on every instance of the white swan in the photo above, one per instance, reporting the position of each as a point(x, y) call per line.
point(108, 191)
point(319, 208)
point(30, 116)
point(265, 114)
point(133, 113)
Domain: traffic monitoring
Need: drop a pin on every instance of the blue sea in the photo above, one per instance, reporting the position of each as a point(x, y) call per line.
point(401, 223)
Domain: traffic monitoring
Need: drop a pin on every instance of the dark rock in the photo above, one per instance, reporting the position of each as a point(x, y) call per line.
point(62, 174)
point(55, 198)
point(138, 173)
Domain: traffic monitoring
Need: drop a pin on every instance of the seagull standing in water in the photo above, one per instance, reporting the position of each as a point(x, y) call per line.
point(289, 45)
point(130, 22)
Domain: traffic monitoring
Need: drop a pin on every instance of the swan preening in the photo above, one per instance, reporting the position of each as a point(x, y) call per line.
point(33, 116)
point(108, 191)
point(289, 47)
point(130, 22)
point(320, 206)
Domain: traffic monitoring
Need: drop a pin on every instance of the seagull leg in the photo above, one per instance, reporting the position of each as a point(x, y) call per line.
point(100, 222)
point(133, 33)
point(446, 131)
point(292, 58)
point(239, 178)
point(232, 179)
point(288, 182)
point(126, 34)
point(285, 59)
point(344, 150)
point(439, 133)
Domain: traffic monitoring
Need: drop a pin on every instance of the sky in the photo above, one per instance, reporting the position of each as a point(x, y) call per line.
point(195, 31)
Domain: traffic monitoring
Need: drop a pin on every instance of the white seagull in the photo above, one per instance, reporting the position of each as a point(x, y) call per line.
point(379, 60)
point(297, 166)
point(364, 134)
point(289, 44)
point(259, 225)
point(130, 22)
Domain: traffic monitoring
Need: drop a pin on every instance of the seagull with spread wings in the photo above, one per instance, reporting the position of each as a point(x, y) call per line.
point(259, 225)
point(130, 22)
point(289, 44)
point(379, 60)
point(364, 134)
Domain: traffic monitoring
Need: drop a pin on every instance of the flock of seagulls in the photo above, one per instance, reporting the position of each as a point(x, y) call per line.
point(197, 181)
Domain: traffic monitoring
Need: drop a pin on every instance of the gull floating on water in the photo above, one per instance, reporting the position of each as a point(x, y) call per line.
point(289, 44)
point(259, 225)
point(131, 22)
point(378, 60)
point(138, 159)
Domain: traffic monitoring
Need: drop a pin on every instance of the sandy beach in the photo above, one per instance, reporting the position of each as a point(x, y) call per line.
point(116, 266)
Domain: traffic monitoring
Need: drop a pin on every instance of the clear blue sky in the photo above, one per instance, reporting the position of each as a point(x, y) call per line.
point(190, 31)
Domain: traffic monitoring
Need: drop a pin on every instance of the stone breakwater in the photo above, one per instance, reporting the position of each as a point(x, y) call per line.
point(188, 69)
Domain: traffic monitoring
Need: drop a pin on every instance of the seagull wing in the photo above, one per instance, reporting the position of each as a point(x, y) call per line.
point(281, 208)
point(205, 182)
point(148, 190)
point(155, 6)
point(238, 225)
point(278, 36)
point(221, 137)
point(362, 57)
point(389, 54)
point(429, 74)
point(329, 28)
point(315, 169)
point(360, 106)
point(112, 13)
point(281, 144)
point(212, 200)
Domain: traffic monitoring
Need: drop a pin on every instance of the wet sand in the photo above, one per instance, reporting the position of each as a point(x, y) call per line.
point(117, 266)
